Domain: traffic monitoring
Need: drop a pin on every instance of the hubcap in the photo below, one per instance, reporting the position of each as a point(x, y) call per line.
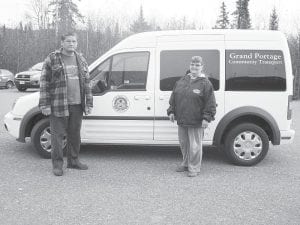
point(45, 140)
point(247, 145)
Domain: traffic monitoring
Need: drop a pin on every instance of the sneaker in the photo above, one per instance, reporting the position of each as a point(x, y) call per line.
point(181, 169)
point(77, 165)
point(192, 174)
point(57, 172)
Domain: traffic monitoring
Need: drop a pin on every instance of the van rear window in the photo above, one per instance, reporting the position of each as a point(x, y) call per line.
point(255, 70)
point(175, 63)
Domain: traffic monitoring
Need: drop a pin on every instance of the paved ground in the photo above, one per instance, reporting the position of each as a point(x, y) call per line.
point(135, 185)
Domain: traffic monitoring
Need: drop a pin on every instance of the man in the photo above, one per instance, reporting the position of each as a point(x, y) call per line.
point(65, 94)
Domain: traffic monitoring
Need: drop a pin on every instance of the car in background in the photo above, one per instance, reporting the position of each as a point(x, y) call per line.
point(29, 78)
point(6, 78)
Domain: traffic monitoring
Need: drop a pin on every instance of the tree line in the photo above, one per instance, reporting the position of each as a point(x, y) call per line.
point(30, 42)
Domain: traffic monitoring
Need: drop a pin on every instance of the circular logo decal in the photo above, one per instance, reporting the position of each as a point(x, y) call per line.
point(120, 103)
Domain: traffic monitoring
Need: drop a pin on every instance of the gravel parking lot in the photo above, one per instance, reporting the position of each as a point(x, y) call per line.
point(138, 185)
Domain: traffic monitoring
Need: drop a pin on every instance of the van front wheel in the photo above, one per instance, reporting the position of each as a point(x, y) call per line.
point(41, 138)
point(246, 144)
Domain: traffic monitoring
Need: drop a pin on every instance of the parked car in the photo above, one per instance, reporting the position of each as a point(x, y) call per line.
point(30, 78)
point(6, 78)
point(250, 71)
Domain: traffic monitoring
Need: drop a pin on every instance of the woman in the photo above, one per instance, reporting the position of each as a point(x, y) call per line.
point(193, 105)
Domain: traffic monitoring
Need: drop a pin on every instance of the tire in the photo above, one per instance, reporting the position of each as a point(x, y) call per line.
point(246, 144)
point(9, 84)
point(22, 89)
point(41, 138)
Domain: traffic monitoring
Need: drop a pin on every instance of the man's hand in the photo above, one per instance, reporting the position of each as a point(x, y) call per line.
point(46, 111)
point(88, 110)
point(204, 124)
point(172, 117)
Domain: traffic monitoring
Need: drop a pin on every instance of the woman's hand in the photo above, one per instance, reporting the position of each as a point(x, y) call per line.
point(172, 117)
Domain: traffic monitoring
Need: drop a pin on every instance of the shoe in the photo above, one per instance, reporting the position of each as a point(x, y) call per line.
point(57, 172)
point(181, 169)
point(77, 165)
point(192, 174)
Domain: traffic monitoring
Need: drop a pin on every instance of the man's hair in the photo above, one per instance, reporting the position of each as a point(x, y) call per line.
point(64, 36)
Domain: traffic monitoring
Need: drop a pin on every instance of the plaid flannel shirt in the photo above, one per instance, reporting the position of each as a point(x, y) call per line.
point(53, 84)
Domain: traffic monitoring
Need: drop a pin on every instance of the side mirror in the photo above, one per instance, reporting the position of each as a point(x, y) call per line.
point(99, 87)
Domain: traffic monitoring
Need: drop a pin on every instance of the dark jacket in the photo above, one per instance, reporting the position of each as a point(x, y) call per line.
point(53, 84)
point(192, 101)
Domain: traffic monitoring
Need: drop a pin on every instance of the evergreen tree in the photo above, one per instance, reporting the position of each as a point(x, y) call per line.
point(223, 21)
point(274, 20)
point(65, 13)
point(140, 25)
point(241, 14)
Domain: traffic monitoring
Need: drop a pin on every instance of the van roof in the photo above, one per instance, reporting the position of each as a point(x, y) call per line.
point(149, 39)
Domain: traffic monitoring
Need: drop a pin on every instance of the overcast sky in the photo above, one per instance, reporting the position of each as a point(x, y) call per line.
point(203, 12)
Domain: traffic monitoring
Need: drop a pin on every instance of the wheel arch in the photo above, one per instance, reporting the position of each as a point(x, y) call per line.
point(29, 120)
point(248, 114)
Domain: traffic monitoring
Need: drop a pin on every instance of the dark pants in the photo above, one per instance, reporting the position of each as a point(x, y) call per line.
point(66, 127)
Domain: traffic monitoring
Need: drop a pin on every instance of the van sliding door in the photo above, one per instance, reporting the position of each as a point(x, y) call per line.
point(173, 59)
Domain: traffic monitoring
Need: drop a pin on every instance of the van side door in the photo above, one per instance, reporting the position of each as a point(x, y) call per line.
point(123, 99)
point(173, 60)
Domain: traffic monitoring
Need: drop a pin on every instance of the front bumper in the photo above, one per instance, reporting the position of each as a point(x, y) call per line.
point(12, 124)
point(287, 136)
point(27, 84)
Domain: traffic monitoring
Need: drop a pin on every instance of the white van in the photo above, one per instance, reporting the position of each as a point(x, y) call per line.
point(250, 71)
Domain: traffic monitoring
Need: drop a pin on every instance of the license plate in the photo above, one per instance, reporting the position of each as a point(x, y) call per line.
point(22, 82)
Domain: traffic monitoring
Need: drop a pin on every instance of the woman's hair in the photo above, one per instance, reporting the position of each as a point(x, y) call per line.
point(197, 59)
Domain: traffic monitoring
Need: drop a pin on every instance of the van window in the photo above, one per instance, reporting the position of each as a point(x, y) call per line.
point(175, 63)
point(125, 71)
point(129, 71)
point(100, 77)
point(255, 70)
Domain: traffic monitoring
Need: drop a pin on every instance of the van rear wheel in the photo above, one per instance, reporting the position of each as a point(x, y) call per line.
point(246, 144)
point(41, 138)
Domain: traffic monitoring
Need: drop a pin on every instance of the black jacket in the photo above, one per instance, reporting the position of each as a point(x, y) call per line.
point(192, 101)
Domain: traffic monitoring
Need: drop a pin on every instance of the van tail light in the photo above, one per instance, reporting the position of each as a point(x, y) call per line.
point(289, 109)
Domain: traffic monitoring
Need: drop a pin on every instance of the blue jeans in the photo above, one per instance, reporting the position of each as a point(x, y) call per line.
point(66, 127)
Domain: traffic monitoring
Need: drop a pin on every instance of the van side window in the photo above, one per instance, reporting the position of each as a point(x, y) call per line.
point(255, 70)
point(100, 77)
point(175, 63)
point(129, 71)
point(125, 71)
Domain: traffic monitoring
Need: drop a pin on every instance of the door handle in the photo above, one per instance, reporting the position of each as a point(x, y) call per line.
point(162, 97)
point(138, 97)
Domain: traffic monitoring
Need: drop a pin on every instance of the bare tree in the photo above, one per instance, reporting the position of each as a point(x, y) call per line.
point(39, 13)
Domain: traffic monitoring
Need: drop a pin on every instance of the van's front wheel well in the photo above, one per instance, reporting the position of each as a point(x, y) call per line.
point(34, 120)
point(248, 119)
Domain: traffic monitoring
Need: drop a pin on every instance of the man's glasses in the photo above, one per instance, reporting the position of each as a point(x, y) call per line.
point(196, 64)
